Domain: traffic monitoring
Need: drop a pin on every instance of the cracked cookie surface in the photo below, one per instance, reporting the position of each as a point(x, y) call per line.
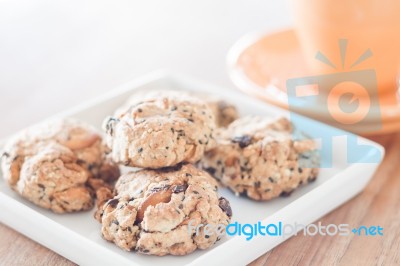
point(257, 157)
point(160, 131)
point(224, 113)
point(152, 208)
point(58, 165)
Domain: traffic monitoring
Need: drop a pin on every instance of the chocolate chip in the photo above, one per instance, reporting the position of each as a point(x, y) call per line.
point(225, 206)
point(179, 188)
point(91, 167)
point(243, 141)
point(300, 170)
point(113, 202)
point(181, 133)
point(41, 186)
point(271, 180)
point(139, 110)
point(5, 154)
point(171, 168)
point(257, 184)
point(173, 108)
point(244, 169)
point(312, 178)
point(188, 175)
point(286, 193)
point(115, 222)
point(210, 170)
point(140, 150)
point(243, 193)
point(180, 206)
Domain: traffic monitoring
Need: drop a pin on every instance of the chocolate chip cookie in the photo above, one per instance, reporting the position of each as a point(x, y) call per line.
point(161, 131)
point(258, 157)
point(152, 210)
point(224, 112)
point(58, 165)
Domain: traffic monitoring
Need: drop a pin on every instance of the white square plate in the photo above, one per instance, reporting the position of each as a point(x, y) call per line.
point(77, 236)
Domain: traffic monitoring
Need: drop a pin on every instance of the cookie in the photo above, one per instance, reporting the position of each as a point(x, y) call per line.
point(58, 165)
point(224, 112)
point(161, 131)
point(257, 157)
point(152, 210)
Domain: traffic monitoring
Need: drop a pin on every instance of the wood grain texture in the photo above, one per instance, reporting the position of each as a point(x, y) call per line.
point(16, 249)
point(378, 204)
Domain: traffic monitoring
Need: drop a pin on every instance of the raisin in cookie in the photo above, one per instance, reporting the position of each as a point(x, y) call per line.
point(152, 210)
point(224, 112)
point(58, 165)
point(161, 131)
point(258, 157)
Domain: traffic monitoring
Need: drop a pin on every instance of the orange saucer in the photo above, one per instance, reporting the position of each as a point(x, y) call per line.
point(260, 65)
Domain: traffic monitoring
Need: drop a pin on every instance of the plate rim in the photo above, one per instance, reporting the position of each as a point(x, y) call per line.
point(249, 87)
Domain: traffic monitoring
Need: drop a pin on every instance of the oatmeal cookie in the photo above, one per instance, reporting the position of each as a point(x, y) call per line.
point(224, 112)
point(58, 164)
point(258, 157)
point(152, 209)
point(160, 132)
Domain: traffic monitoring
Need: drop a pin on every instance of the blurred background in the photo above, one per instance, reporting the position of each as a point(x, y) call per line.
point(56, 54)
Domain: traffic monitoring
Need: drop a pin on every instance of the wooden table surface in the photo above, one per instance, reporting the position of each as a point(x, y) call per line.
point(59, 53)
point(378, 204)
